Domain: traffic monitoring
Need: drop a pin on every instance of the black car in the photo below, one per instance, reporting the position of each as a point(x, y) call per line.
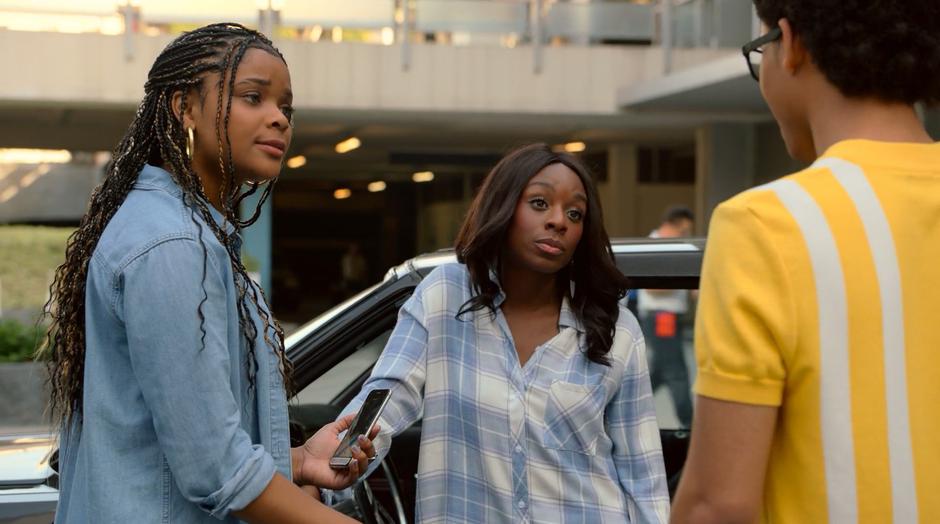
point(333, 356)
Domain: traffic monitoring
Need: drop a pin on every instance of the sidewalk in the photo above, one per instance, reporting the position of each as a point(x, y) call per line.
point(6, 430)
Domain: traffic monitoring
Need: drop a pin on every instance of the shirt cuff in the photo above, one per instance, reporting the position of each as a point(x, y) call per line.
point(744, 390)
point(244, 487)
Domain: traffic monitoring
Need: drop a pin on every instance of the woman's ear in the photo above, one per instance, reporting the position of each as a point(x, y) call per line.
point(184, 108)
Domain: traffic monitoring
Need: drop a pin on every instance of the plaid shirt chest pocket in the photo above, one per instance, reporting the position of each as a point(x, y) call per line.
point(574, 417)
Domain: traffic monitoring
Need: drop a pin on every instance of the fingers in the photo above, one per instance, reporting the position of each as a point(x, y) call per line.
point(355, 467)
point(366, 446)
point(344, 422)
point(374, 432)
point(360, 462)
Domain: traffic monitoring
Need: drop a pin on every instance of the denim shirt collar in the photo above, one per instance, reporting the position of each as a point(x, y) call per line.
point(153, 177)
point(566, 317)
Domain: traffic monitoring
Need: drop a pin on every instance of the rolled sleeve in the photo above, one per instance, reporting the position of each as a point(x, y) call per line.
point(400, 369)
point(249, 480)
point(637, 450)
point(744, 322)
point(176, 322)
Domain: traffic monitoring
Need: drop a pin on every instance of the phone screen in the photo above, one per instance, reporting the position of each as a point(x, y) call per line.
point(363, 423)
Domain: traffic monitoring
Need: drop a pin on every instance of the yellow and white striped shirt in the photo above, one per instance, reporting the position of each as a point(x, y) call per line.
point(820, 294)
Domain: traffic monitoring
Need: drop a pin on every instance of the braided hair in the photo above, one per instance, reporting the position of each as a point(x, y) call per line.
point(157, 136)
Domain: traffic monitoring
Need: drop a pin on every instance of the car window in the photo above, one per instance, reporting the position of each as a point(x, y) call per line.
point(667, 319)
point(330, 384)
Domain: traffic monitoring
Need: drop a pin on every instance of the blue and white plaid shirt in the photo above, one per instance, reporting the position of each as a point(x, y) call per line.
point(560, 439)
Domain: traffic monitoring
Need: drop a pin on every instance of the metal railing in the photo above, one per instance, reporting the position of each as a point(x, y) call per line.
point(509, 23)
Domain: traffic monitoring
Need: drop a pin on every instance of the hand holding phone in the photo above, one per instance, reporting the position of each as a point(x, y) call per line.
point(312, 460)
point(362, 425)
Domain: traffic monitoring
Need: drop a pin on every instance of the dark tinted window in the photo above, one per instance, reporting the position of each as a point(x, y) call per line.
point(675, 165)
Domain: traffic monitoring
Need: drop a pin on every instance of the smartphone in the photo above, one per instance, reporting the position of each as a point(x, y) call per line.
point(362, 425)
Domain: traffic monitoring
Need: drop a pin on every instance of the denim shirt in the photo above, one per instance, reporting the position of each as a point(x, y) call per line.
point(171, 429)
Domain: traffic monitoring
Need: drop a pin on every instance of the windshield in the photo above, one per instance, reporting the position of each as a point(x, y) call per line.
point(328, 315)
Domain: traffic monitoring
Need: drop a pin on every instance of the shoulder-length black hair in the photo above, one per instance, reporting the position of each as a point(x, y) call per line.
point(598, 284)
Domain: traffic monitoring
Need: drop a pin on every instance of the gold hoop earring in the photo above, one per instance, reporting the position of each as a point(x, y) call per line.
point(190, 143)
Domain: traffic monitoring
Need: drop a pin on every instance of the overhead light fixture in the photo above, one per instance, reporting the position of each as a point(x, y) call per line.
point(342, 193)
point(375, 187)
point(296, 161)
point(348, 145)
point(422, 176)
point(34, 156)
point(111, 26)
point(337, 35)
point(388, 36)
point(575, 147)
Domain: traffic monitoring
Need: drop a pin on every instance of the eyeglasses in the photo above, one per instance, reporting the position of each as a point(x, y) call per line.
point(754, 49)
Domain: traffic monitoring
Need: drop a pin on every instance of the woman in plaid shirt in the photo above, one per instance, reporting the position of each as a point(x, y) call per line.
point(528, 372)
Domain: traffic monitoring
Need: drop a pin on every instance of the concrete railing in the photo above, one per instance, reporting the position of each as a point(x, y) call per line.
point(535, 24)
point(89, 70)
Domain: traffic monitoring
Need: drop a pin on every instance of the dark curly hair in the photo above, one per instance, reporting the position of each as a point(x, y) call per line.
point(886, 49)
point(598, 284)
point(156, 136)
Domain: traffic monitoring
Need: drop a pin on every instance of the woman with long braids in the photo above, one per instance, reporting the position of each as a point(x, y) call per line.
point(529, 373)
point(167, 369)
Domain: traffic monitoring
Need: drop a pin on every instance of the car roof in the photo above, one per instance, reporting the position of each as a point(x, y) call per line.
point(620, 246)
point(645, 254)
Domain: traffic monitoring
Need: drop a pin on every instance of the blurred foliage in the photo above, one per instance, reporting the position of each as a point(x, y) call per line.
point(18, 341)
point(251, 263)
point(29, 256)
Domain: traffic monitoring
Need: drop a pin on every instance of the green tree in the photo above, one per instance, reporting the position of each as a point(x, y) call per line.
point(18, 342)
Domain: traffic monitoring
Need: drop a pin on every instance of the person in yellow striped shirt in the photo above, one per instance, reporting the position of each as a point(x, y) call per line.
point(817, 333)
